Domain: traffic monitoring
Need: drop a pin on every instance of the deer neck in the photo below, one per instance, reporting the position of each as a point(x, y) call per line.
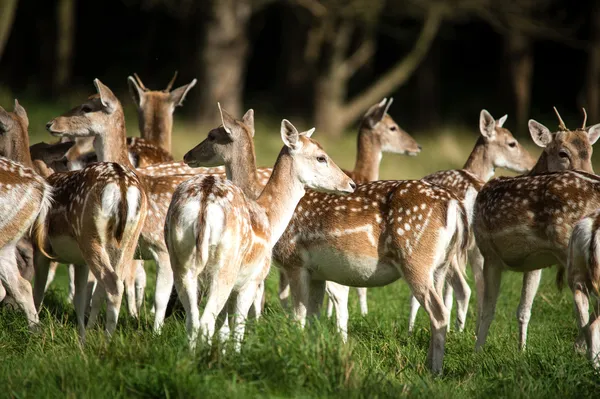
point(541, 165)
point(112, 145)
point(242, 171)
point(368, 156)
point(480, 161)
point(157, 129)
point(281, 195)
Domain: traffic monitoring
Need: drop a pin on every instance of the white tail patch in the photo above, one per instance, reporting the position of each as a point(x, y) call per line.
point(133, 202)
point(110, 200)
point(215, 219)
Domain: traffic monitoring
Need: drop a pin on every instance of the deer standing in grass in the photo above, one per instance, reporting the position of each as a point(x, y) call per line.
point(495, 148)
point(217, 234)
point(25, 199)
point(524, 223)
point(95, 219)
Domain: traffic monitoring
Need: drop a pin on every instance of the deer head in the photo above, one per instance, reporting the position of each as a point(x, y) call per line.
point(225, 142)
point(386, 132)
point(565, 149)
point(14, 140)
point(155, 108)
point(99, 114)
point(314, 168)
point(502, 147)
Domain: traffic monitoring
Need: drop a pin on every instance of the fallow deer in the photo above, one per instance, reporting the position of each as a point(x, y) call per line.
point(496, 147)
point(25, 199)
point(216, 233)
point(583, 272)
point(94, 220)
point(524, 223)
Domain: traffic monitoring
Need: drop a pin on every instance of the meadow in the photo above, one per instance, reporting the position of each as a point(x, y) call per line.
point(277, 358)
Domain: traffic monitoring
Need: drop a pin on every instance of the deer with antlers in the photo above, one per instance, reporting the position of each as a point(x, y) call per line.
point(496, 147)
point(94, 220)
point(524, 223)
point(218, 234)
point(25, 199)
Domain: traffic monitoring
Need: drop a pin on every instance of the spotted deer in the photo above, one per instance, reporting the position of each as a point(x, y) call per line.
point(524, 223)
point(25, 199)
point(496, 147)
point(378, 134)
point(583, 276)
point(94, 219)
point(219, 235)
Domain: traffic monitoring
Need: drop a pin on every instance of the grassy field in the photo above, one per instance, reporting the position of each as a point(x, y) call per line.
point(280, 360)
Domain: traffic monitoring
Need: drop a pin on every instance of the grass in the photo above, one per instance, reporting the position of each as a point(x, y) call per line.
point(280, 360)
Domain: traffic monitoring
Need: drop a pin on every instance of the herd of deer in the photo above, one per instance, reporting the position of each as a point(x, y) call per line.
point(213, 223)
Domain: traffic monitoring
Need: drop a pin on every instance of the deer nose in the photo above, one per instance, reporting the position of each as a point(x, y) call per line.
point(352, 185)
point(49, 124)
point(419, 147)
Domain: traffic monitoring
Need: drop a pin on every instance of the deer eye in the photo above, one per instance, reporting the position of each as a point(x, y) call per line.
point(86, 108)
point(211, 137)
point(393, 128)
point(512, 144)
point(563, 154)
point(322, 159)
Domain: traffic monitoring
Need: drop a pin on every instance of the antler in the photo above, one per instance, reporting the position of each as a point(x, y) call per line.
point(561, 124)
point(139, 82)
point(584, 118)
point(170, 85)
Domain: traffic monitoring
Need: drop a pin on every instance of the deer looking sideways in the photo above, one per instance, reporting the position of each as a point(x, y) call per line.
point(496, 147)
point(25, 199)
point(94, 220)
point(524, 223)
point(217, 233)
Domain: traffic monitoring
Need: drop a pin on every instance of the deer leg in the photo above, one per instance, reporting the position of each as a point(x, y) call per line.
point(80, 297)
point(3, 292)
point(219, 290)
point(476, 262)
point(449, 297)
point(582, 309)
point(362, 300)
point(329, 303)
point(140, 286)
point(463, 294)
point(531, 282)
point(71, 269)
point(244, 300)
point(164, 285)
point(187, 289)
point(338, 297)
point(299, 283)
point(51, 274)
point(41, 264)
point(284, 289)
point(594, 339)
point(316, 295)
point(492, 277)
point(412, 317)
point(16, 286)
point(98, 298)
point(259, 301)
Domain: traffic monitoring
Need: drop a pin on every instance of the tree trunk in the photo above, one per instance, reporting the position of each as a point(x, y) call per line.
point(520, 58)
point(428, 86)
point(65, 20)
point(223, 58)
point(593, 68)
point(8, 10)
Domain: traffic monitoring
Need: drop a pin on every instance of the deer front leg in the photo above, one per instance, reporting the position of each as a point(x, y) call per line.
point(582, 309)
point(414, 309)
point(80, 297)
point(362, 300)
point(492, 275)
point(51, 274)
point(42, 265)
point(299, 282)
point(164, 285)
point(338, 297)
point(284, 289)
point(531, 282)
point(98, 298)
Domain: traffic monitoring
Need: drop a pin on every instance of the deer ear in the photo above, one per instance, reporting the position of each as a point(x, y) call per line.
point(290, 135)
point(178, 95)
point(227, 120)
point(487, 124)
point(248, 120)
point(500, 122)
point(593, 133)
point(137, 93)
point(540, 134)
point(376, 113)
point(308, 133)
point(107, 97)
point(20, 111)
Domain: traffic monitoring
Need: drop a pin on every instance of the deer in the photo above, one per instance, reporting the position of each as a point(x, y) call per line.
point(524, 223)
point(583, 276)
point(495, 148)
point(217, 234)
point(155, 116)
point(378, 134)
point(25, 199)
point(94, 220)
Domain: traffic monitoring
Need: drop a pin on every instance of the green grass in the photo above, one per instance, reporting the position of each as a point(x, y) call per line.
point(277, 358)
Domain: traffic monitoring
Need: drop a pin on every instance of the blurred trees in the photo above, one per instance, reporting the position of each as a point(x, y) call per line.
point(65, 35)
point(8, 9)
